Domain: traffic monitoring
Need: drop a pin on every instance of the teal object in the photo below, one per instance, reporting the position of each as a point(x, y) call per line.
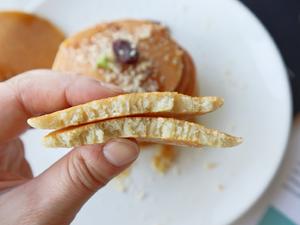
point(275, 217)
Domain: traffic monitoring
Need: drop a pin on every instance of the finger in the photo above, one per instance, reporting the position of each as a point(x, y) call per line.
point(43, 91)
point(12, 160)
point(9, 180)
point(61, 190)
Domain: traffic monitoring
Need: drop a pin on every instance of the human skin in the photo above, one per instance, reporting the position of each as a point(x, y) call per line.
point(56, 195)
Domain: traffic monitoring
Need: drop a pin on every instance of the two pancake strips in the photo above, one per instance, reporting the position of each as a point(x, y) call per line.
point(150, 117)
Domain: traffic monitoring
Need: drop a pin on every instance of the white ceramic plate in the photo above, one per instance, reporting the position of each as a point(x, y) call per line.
point(236, 59)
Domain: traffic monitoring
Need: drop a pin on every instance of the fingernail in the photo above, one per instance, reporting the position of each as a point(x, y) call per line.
point(120, 152)
point(111, 87)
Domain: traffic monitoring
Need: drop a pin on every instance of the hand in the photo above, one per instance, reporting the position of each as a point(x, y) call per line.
point(55, 196)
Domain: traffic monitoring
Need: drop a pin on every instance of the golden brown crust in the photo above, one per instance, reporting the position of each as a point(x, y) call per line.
point(27, 42)
point(188, 82)
point(150, 103)
point(160, 56)
point(150, 129)
point(159, 130)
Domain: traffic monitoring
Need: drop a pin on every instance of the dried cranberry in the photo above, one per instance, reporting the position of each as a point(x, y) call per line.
point(124, 52)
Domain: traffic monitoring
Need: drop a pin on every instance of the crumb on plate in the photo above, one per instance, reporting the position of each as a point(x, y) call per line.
point(141, 195)
point(211, 165)
point(121, 181)
point(163, 160)
point(220, 187)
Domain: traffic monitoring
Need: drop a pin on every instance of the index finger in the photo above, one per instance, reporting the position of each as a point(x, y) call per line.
point(43, 91)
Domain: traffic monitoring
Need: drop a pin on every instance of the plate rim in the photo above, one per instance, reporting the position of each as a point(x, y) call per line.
point(287, 88)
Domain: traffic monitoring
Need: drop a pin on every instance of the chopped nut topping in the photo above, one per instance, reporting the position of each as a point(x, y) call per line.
point(134, 78)
point(124, 68)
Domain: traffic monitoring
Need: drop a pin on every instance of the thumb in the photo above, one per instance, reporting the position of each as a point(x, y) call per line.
point(69, 183)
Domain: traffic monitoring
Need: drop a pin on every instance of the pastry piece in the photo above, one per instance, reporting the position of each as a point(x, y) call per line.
point(150, 129)
point(136, 55)
point(149, 103)
point(27, 42)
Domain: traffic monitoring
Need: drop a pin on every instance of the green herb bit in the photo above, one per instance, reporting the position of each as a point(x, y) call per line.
point(103, 62)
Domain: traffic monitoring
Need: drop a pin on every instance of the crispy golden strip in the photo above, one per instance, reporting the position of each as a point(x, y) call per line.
point(150, 129)
point(151, 104)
